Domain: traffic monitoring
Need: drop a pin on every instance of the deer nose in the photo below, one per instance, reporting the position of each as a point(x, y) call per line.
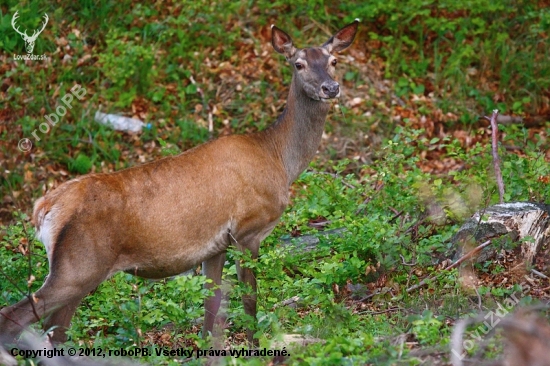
point(331, 89)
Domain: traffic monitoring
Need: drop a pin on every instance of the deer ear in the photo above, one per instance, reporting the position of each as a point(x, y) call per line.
point(282, 42)
point(343, 38)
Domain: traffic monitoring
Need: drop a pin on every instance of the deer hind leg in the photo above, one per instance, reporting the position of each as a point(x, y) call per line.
point(14, 319)
point(74, 272)
point(60, 320)
point(58, 298)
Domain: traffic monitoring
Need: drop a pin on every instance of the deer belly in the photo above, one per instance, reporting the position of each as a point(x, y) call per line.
point(173, 257)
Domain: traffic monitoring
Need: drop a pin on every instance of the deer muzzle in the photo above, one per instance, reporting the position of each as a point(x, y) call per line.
point(330, 89)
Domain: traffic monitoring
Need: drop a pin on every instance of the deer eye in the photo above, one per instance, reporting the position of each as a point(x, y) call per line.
point(334, 62)
point(299, 66)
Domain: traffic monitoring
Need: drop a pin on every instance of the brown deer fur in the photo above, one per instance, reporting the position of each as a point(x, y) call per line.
point(165, 217)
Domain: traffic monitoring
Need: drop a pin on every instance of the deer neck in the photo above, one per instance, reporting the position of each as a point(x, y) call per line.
point(296, 134)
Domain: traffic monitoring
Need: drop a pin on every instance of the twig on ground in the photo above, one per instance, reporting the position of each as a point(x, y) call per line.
point(534, 271)
point(455, 264)
point(405, 263)
point(496, 159)
point(380, 311)
point(397, 215)
point(469, 255)
point(376, 292)
point(479, 302)
point(287, 302)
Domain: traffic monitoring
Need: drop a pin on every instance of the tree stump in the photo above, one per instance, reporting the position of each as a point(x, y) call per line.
point(525, 222)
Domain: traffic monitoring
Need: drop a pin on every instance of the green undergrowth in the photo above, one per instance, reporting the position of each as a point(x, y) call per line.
point(172, 61)
point(464, 52)
point(376, 213)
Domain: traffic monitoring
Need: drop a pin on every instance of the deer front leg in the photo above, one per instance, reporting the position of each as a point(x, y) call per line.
point(212, 268)
point(247, 276)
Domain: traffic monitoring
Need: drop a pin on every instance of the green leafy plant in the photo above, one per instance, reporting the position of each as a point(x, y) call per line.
point(427, 328)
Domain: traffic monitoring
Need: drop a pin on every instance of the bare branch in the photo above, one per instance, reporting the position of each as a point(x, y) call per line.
point(534, 271)
point(287, 302)
point(405, 263)
point(466, 256)
point(496, 159)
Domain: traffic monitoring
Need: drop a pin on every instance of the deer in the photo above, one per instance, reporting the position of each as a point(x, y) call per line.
point(167, 216)
point(29, 40)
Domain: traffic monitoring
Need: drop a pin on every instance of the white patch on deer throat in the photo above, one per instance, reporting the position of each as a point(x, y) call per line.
point(44, 233)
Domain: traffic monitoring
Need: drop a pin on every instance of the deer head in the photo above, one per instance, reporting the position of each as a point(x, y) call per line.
point(314, 66)
point(29, 40)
